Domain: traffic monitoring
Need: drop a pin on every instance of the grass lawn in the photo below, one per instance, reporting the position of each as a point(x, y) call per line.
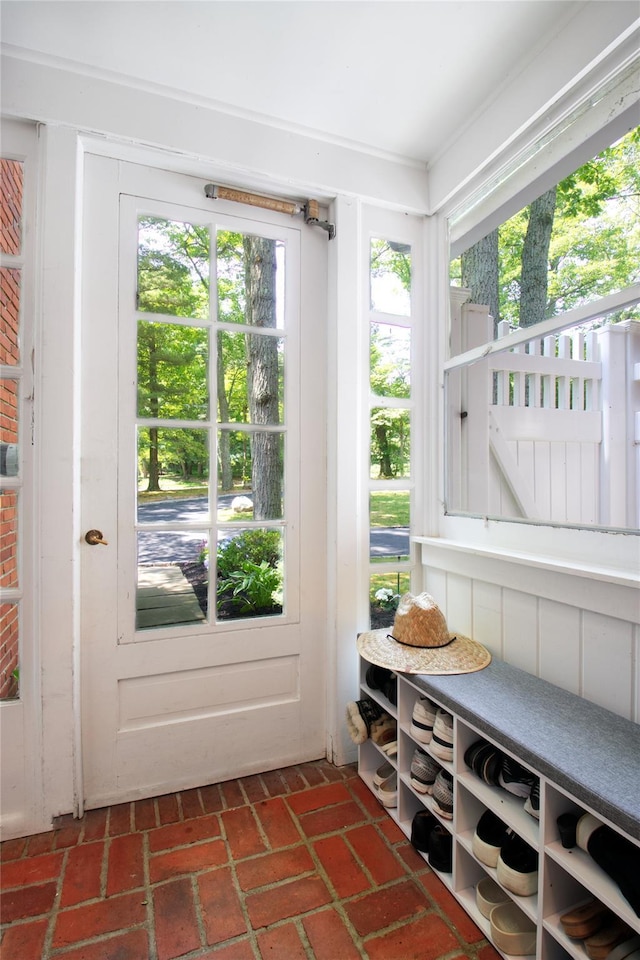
point(389, 508)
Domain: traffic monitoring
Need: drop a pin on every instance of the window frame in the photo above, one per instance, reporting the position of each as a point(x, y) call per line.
point(399, 228)
point(473, 215)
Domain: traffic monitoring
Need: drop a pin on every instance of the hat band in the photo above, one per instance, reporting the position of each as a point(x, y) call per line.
point(422, 646)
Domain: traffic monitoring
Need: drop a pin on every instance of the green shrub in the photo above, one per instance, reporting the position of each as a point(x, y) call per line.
point(252, 588)
point(252, 545)
point(249, 569)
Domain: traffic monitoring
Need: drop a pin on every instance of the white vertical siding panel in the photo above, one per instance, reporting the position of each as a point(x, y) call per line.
point(574, 495)
point(435, 583)
point(487, 617)
point(568, 637)
point(542, 478)
point(459, 603)
point(558, 482)
point(520, 625)
point(607, 647)
point(590, 469)
point(560, 645)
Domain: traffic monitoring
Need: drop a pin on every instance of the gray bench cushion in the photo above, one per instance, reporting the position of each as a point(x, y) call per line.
point(590, 752)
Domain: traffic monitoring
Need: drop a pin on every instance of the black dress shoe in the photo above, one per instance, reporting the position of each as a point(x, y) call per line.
point(421, 827)
point(440, 853)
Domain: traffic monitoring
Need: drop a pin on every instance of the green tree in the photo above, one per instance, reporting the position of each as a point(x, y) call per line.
point(575, 242)
point(173, 266)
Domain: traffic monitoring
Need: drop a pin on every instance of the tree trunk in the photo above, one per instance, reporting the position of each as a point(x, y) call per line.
point(480, 274)
point(534, 280)
point(262, 377)
point(384, 461)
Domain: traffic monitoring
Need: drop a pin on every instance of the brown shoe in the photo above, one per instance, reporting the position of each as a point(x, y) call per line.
point(601, 943)
point(584, 921)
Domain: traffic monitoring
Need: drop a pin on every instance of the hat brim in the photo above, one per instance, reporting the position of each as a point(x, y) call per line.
point(461, 655)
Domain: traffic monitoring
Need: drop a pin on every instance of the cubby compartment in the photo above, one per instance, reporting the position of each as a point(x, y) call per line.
point(567, 877)
point(576, 863)
point(370, 758)
point(408, 804)
point(374, 694)
point(561, 894)
point(468, 810)
point(550, 949)
point(468, 873)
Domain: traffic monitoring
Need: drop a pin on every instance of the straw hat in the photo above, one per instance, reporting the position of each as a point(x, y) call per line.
point(421, 642)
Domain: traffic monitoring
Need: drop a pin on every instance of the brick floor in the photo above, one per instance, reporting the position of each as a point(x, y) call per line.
point(295, 864)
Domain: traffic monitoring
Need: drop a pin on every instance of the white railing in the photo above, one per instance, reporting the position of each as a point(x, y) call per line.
point(548, 429)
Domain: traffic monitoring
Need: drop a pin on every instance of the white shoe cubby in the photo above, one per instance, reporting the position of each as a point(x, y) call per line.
point(566, 877)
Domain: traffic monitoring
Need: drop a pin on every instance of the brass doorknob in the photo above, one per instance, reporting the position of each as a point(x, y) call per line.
point(94, 537)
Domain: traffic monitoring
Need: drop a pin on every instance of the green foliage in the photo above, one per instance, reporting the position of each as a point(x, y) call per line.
point(390, 360)
point(252, 545)
point(595, 243)
point(253, 588)
point(249, 569)
point(173, 268)
point(183, 453)
point(390, 443)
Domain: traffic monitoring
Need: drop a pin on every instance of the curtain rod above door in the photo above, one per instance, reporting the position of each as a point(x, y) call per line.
point(310, 209)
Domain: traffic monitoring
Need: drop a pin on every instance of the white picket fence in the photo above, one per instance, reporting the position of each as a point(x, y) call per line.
point(548, 430)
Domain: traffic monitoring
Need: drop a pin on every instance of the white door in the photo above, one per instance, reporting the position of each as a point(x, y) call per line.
point(204, 611)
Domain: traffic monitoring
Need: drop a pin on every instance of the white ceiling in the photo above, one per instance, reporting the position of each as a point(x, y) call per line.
point(399, 77)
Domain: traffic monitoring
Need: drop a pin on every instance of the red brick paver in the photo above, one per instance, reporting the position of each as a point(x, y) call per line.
point(294, 863)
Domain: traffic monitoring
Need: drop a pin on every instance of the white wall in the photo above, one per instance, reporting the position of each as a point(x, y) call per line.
point(574, 625)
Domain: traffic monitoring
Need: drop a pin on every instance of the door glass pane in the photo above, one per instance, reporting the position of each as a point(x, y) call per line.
point(389, 525)
point(11, 182)
point(173, 267)
point(390, 356)
point(390, 443)
point(254, 489)
point(9, 644)
point(165, 595)
point(172, 371)
point(173, 475)
point(249, 573)
point(250, 378)
point(9, 315)
point(390, 277)
point(250, 275)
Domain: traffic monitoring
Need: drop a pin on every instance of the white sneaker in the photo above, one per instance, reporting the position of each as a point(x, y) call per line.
point(442, 739)
point(388, 791)
point(423, 718)
point(383, 773)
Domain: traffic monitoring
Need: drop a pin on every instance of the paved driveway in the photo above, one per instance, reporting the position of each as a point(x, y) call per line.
point(170, 546)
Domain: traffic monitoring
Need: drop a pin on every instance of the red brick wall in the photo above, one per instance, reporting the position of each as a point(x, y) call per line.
point(10, 313)
point(8, 650)
point(11, 182)
point(11, 177)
